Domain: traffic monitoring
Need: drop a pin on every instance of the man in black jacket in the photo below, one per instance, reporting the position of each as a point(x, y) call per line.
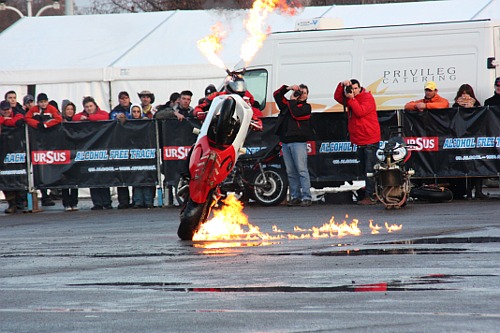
point(294, 129)
point(495, 99)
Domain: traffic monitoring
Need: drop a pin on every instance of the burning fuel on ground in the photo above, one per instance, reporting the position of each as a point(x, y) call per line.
point(230, 223)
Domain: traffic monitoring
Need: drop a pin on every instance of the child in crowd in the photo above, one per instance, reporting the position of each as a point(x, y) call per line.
point(69, 195)
point(142, 196)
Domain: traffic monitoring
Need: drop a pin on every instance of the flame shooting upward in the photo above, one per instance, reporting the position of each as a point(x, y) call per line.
point(211, 45)
point(256, 27)
point(230, 223)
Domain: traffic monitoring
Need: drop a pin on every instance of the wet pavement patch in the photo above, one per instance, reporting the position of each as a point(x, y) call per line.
point(368, 252)
point(420, 283)
point(445, 240)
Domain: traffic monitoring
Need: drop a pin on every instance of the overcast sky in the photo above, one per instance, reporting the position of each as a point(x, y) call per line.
point(82, 3)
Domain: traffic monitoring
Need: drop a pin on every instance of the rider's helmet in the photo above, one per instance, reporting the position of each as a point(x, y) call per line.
point(235, 84)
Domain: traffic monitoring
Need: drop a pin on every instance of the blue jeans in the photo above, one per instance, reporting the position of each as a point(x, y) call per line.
point(295, 157)
point(143, 195)
point(367, 159)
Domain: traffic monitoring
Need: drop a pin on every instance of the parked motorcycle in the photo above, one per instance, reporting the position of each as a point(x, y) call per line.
point(259, 177)
point(214, 155)
point(392, 180)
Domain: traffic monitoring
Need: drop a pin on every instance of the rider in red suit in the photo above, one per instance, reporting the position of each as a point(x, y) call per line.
point(234, 85)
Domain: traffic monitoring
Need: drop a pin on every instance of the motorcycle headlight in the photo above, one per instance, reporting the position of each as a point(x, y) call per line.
point(380, 155)
point(399, 154)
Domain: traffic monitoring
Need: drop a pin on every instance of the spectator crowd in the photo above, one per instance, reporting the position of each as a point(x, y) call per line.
point(292, 128)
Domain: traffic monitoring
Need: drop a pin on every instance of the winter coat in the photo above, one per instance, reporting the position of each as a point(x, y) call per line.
point(436, 102)
point(11, 121)
point(293, 123)
point(120, 109)
point(362, 118)
point(50, 116)
point(96, 116)
point(493, 100)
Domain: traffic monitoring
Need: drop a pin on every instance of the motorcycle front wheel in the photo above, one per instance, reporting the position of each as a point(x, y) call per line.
point(270, 187)
point(192, 217)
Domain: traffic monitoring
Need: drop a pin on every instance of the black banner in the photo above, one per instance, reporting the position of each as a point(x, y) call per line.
point(449, 143)
point(177, 139)
point(332, 159)
point(95, 154)
point(454, 142)
point(13, 164)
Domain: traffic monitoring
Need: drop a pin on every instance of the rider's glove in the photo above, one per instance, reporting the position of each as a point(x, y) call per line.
point(200, 115)
point(257, 125)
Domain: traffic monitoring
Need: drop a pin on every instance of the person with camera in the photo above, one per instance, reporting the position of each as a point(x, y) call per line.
point(294, 129)
point(363, 127)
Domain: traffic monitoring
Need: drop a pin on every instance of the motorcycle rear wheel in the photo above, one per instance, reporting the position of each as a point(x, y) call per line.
point(192, 217)
point(273, 191)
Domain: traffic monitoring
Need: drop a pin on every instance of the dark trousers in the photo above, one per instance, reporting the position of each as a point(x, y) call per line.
point(367, 159)
point(70, 197)
point(123, 196)
point(100, 196)
point(15, 198)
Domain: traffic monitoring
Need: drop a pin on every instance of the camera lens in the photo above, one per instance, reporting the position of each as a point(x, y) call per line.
point(297, 93)
point(348, 89)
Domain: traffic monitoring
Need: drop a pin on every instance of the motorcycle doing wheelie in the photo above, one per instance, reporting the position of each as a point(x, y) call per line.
point(215, 153)
point(259, 177)
point(392, 180)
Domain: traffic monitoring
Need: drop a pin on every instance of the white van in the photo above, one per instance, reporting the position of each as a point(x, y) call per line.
point(393, 62)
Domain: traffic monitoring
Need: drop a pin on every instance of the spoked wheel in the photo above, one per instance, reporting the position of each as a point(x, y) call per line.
point(270, 188)
point(193, 216)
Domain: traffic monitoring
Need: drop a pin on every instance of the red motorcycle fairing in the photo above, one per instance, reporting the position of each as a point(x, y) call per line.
point(208, 166)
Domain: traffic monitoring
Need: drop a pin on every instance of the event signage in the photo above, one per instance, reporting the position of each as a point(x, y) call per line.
point(443, 143)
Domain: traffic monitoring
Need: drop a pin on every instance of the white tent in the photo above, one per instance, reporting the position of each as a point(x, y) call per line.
point(69, 57)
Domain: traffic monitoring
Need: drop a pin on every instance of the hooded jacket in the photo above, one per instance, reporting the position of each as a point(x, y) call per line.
point(142, 116)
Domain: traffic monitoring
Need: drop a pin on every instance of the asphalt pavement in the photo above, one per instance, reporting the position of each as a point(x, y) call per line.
point(126, 271)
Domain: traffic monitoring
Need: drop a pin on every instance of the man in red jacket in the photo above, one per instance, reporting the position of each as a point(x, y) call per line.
point(43, 115)
point(91, 111)
point(101, 196)
point(235, 84)
point(15, 198)
point(364, 129)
